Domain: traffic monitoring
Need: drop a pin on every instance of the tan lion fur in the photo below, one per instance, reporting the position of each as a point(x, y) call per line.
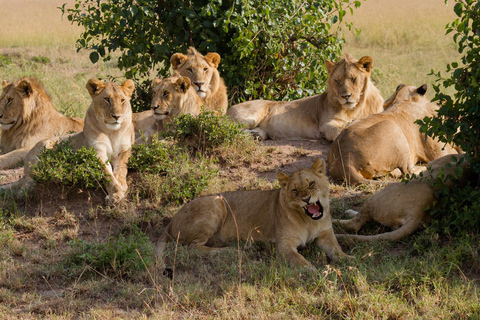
point(374, 146)
point(350, 95)
point(292, 216)
point(401, 206)
point(172, 96)
point(26, 117)
point(108, 128)
point(202, 71)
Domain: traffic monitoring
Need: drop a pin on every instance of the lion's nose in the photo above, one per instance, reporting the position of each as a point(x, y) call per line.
point(307, 199)
point(199, 84)
point(116, 117)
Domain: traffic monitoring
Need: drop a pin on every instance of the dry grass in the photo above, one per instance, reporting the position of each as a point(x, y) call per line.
point(421, 277)
point(405, 38)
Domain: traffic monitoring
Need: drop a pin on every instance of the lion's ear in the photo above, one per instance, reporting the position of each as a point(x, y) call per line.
point(5, 83)
point(156, 81)
point(283, 179)
point(183, 84)
point(319, 166)
point(24, 88)
point(177, 59)
point(94, 87)
point(128, 86)
point(213, 59)
point(330, 66)
point(422, 89)
point(365, 63)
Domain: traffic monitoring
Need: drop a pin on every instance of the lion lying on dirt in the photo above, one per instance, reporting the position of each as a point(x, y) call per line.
point(171, 97)
point(108, 128)
point(350, 95)
point(401, 206)
point(202, 71)
point(375, 146)
point(292, 216)
point(26, 117)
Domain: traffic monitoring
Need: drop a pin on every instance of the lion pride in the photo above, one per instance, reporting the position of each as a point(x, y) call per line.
point(27, 116)
point(350, 95)
point(202, 71)
point(108, 128)
point(375, 146)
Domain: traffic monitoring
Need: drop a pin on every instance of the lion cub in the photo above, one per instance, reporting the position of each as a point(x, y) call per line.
point(172, 96)
point(294, 215)
point(401, 206)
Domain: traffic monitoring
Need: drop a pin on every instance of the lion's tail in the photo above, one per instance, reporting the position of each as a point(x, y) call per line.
point(353, 177)
point(161, 244)
point(395, 235)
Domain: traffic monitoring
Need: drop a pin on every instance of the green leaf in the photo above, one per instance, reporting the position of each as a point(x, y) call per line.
point(94, 57)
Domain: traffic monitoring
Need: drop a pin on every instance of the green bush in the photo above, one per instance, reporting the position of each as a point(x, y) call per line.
point(123, 255)
point(205, 131)
point(459, 117)
point(168, 172)
point(273, 49)
point(76, 168)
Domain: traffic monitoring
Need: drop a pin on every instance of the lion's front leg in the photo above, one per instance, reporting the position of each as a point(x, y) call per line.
point(120, 168)
point(331, 129)
point(328, 242)
point(13, 159)
point(114, 189)
point(288, 249)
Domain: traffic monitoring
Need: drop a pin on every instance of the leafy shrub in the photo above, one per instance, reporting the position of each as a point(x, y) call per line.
point(273, 49)
point(458, 117)
point(167, 171)
point(205, 131)
point(5, 60)
point(120, 256)
point(77, 168)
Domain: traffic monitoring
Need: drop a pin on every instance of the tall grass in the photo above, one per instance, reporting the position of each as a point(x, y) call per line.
point(406, 40)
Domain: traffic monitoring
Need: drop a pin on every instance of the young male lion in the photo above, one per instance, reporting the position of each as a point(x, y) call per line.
point(26, 117)
point(401, 206)
point(374, 146)
point(292, 216)
point(350, 95)
point(108, 128)
point(171, 97)
point(202, 71)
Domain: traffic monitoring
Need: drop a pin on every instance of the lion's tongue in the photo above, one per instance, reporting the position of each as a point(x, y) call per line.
point(314, 209)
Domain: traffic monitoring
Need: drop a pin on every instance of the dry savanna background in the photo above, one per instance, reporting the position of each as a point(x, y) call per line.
point(65, 255)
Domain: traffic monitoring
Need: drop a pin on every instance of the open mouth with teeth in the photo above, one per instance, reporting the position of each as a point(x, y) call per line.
point(314, 210)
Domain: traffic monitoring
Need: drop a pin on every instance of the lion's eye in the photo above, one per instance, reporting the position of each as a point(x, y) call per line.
point(107, 100)
point(311, 184)
point(9, 100)
point(205, 70)
point(295, 191)
point(165, 94)
point(122, 100)
point(190, 70)
point(354, 80)
point(337, 81)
